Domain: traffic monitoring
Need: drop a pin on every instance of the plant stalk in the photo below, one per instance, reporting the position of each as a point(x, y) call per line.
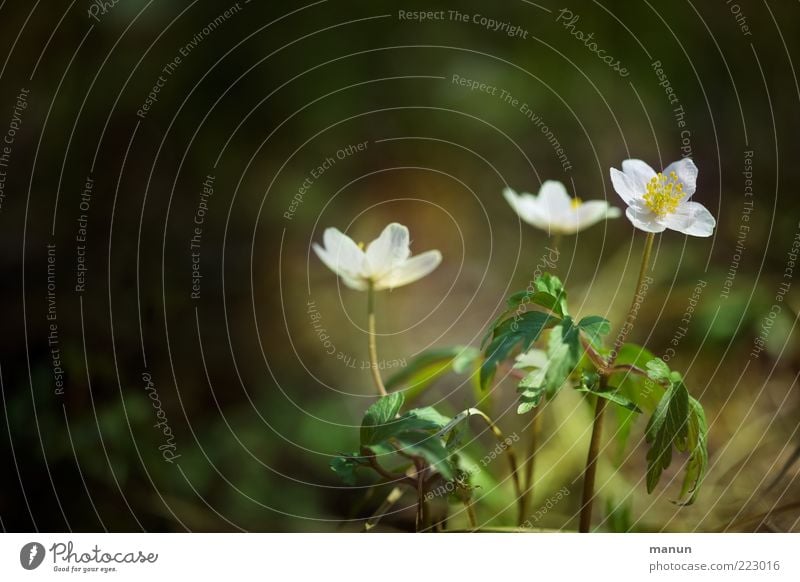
point(600, 406)
point(533, 445)
point(591, 464)
point(648, 248)
point(373, 347)
point(535, 429)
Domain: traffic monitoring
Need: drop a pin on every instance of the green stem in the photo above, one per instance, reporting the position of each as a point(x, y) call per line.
point(512, 458)
point(648, 248)
point(591, 462)
point(535, 428)
point(533, 446)
point(373, 347)
point(600, 406)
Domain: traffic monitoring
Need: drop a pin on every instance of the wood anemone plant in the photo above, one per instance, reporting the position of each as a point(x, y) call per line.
point(538, 342)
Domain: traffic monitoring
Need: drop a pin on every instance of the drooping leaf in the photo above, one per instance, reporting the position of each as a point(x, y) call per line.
point(698, 447)
point(668, 428)
point(517, 332)
point(379, 415)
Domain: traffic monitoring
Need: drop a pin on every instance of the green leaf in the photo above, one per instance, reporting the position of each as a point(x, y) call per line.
point(546, 291)
point(379, 415)
point(529, 400)
point(430, 448)
point(428, 367)
point(564, 354)
point(426, 420)
point(698, 459)
point(657, 370)
point(642, 391)
point(594, 327)
point(668, 428)
point(590, 385)
point(552, 285)
point(345, 467)
point(520, 331)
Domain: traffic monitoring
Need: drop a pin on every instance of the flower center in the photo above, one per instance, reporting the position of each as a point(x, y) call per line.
point(576, 202)
point(663, 194)
point(361, 245)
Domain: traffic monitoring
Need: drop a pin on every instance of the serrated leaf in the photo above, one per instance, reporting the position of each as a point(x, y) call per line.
point(529, 400)
point(519, 332)
point(563, 357)
point(552, 285)
point(667, 428)
point(546, 291)
point(379, 415)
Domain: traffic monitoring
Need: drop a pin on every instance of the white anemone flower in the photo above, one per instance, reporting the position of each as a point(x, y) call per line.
point(385, 264)
point(554, 211)
point(660, 200)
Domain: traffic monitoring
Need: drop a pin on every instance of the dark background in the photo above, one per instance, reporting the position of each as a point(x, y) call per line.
point(256, 406)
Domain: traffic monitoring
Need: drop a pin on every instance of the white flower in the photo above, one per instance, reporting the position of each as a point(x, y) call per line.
point(386, 263)
point(657, 201)
point(554, 211)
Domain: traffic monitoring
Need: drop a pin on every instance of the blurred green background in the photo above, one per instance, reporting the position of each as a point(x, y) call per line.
point(263, 94)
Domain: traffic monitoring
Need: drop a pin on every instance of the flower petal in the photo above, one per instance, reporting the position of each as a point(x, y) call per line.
point(639, 174)
point(357, 284)
point(687, 171)
point(527, 207)
point(644, 220)
point(624, 186)
point(554, 199)
point(592, 212)
point(389, 249)
point(691, 218)
point(340, 254)
point(523, 204)
point(411, 270)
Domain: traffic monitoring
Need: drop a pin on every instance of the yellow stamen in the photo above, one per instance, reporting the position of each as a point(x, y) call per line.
point(576, 202)
point(361, 245)
point(663, 194)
